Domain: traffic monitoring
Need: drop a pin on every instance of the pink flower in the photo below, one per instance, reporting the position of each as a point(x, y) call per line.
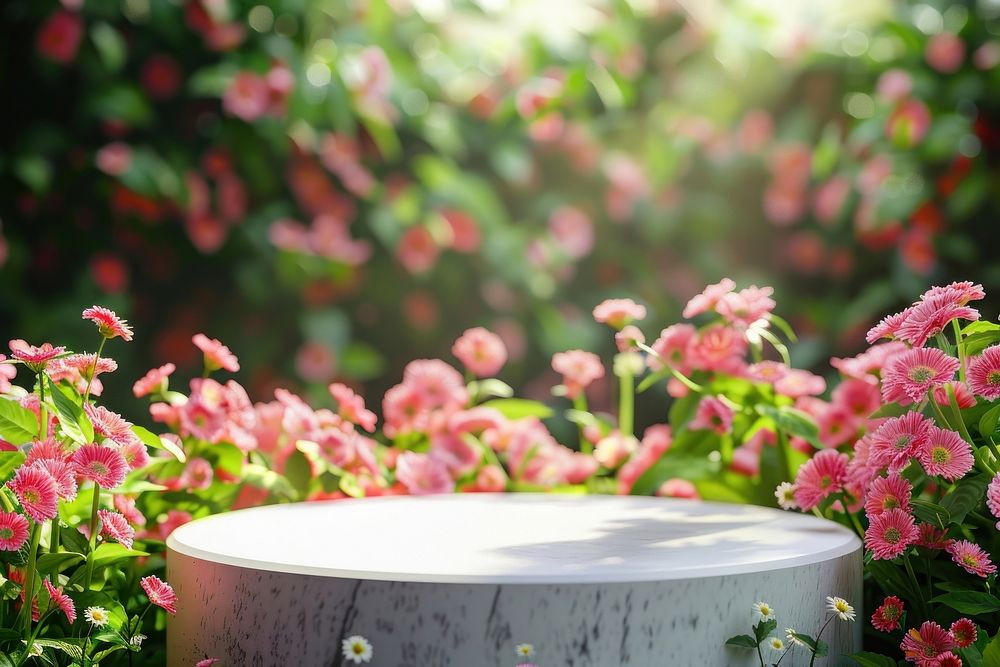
point(46, 449)
point(915, 372)
point(629, 338)
point(946, 454)
point(457, 454)
point(465, 236)
point(475, 420)
point(114, 159)
point(889, 614)
point(60, 600)
point(720, 348)
point(36, 491)
point(114, 526)
point(155, 381)
point(945, 52)
point(59, 37)
point(572, 231)
point(890, 533)
point(930, 316)
point(63, 474)
point(674, 346)
point(613, 449)
point(351, 407)
point(894, 85)
point(110, 425)
point(578, 368)
point(908, 124)
point(159, 593)
point(888, 493)
point(984, 373)
point(80, 367)
point(927, 644)
point(207, 662)
point(417, 250)
point(963, 395)
point(708, 299)
point(422, 475)
point(618, 312)
point(899, 439)
point(820, 477)
point(971, 557)
point(216, 354)
point(491, 479)
point(175, 519)
point(933, 538)
point(797, 382)
point(439, 385)
point(109, 324)
point(197, 475)
point(35, 358)
point(712, 415)
point(104, 466)
point(13, 531)
point(247, 96)
point(126, 507)
point(993, 496)
point(678, 488)
point(888, 327)
point(315, 362)
point(964, 632)
point(829, 200)
point(482, 352)
point(655, 442)
point(961, 292)
point(745, 307)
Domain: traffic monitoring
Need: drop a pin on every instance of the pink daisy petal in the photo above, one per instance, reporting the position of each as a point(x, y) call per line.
point(153, 381)
point(116, 527)
point(36, 491)
point(712, 415)
point(927, 644)
point(64, 475)
point(216, 354)
point(984, 373)
point(971, 557)
point(618, 312)
point(61, 600)
point(930, 316)
point(109, 324)
point(889, 614)
point(13, 531)
point(104, 466)
point(899, 439)
point(820, 477)
point(708, 299)
point(578, 368)
point(159, 593)
point(917, 371)
point(887, 328)
point(890, 533)
point(946, 454)
point(35, 358)
point(886, 493)
point(965, 632)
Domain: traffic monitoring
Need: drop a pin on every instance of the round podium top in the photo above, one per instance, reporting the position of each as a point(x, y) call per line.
point(513, 539)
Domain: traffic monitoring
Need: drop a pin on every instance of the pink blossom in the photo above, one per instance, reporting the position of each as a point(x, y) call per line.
point(629, 338)
point(797, 382)
point(674, 346)
point(104, 466)
point(417, 250)
point(712, 414)
point(491, 479)
point(618, 312)
point(159, 593)
point(613, 449)
point(655, 442)
point(475, 420)
point(481, 351)
point(217, 355)
point(946, 454)
point(351, 407)
point(829, 199)
point(928, 645)
point(888, 327)
point(785, 202)
point(422, 474)
point(459, 456)
point(945, 52)
point(898, 439)
point(894, 85)
point(60, 600)
point(114, 159)
point(720, 348)
point(35, 358)
point(890, 533)
point(59, 37)
point(175, 519)
point(859, 397)
point(197, 475)
point(439, 385)
point(915, 372)
point(154, 381)
point(36, 491)
point(465, 235)
point(247, 96)
point(115, 526)
point(678, 488)
point(572, 231)
point(63, 474)
point(708, 299)
point(755, 131)
point(972, 558)
point(888, 615)
point(820, 477)
point(578, 368)
point(887, 493)
point(13, 531)
point(315, 362)
point(126, 507)
point(984, 373)
point(931, 314)
point(909, 122)
point(746, 461)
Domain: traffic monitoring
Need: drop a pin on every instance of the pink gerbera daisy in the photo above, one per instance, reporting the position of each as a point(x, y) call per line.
point(890, 533)
point(971, 557)
point(109, 324)
point(46, 449)
point(932, 537)
point(85, 365)
point(930, 316)
point(965, 632)
point(745, 307)
point(126, 506)
point(899, 439)
point(948, 659)
point(926, 644)
point(946, 454)
point(889, 614)
point(993, 496)
point(13, 531)
point(35, 358)
point(708, 299)
point(712, 415)
point(578, 368)
point(159, 593)
point(135, 454)
point(618, 312)
point(887, 493)
point(116, 527)
point(887, 327)
point(63, 474)
point(155, 381)
point(916, 371)
point(216, 354)
point(962, 292)
point(984, 373)
point(36, 490)
point(108, 424)
point(61, 600)
point(820, 477)
point(104, 466)
point(351, 407)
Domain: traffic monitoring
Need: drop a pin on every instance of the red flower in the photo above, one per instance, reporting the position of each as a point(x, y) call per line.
point(59, 37)
point(964, 631)
point(887, 617)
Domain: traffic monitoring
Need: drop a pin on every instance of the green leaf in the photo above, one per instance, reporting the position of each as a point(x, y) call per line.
point(117, 618)
point(57, 562)
point(156, 442)
point(5, 661)
point(349, 485)
point(931, 513)
point(978, 342)
point(110, 45)
point(970, 602)
point(654, 379)
point(988, 422)
point(72, 420)
point(519, 408)
point(110, 553)
point(18, 425)
point(793, 422)
point(991, 654)
point(764, 628)
point(742, 641)
point(490, 387)
point(688, 467)
point(965, 497)
point(868, 659)
point(9, 462)
point(67, 646)
point(298, 470)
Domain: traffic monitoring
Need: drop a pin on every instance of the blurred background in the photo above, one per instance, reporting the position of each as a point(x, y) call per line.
point(335, 187)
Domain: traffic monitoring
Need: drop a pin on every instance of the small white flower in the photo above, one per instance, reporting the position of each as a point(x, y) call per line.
point(785, 494)
point(357, 649)
point(524, 650)
point(776, 643)
point(137, 640)
point(791, 633)
point(98, 616)
point(764, 611)
point(841, 608)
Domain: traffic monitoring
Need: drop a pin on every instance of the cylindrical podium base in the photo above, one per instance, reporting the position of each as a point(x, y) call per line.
point(589, 581)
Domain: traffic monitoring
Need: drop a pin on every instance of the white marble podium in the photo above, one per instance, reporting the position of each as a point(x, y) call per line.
point(460, 580)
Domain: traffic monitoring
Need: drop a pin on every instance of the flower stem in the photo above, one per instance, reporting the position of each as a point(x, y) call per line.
point(93, 369)
point(54, 531)
point(626, 404)
point(42, 416)
point(93, 537)
point(960, 348)
point(957, 414)
point(29, 578)
point(916, 584)
point(818, 635)
point(580, 405)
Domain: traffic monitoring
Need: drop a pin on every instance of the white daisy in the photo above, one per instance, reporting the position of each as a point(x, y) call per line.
point(137, 640)
point(841, 608)
point(357, 649)
point(776, 644)
point(793, 638)
point(524, 650)
point(764, 611)
point(785, 493)
point(98, 616)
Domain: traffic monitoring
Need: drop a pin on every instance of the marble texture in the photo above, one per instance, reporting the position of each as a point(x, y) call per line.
point(591, 582)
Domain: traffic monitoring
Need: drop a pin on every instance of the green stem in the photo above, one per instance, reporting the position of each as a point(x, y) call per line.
point(93, 537)
point(93, 370)
point(818, 635)
point(54, 530)
point(42, 416)
point(854, 517)
point(760, 656)
point(29, 578)
point(580, 405)
point(939, 413)
point(957, 414)
point(916, 585)
point(960, 347)
point(7, 505)
point(784, 461)
point(626, 404)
